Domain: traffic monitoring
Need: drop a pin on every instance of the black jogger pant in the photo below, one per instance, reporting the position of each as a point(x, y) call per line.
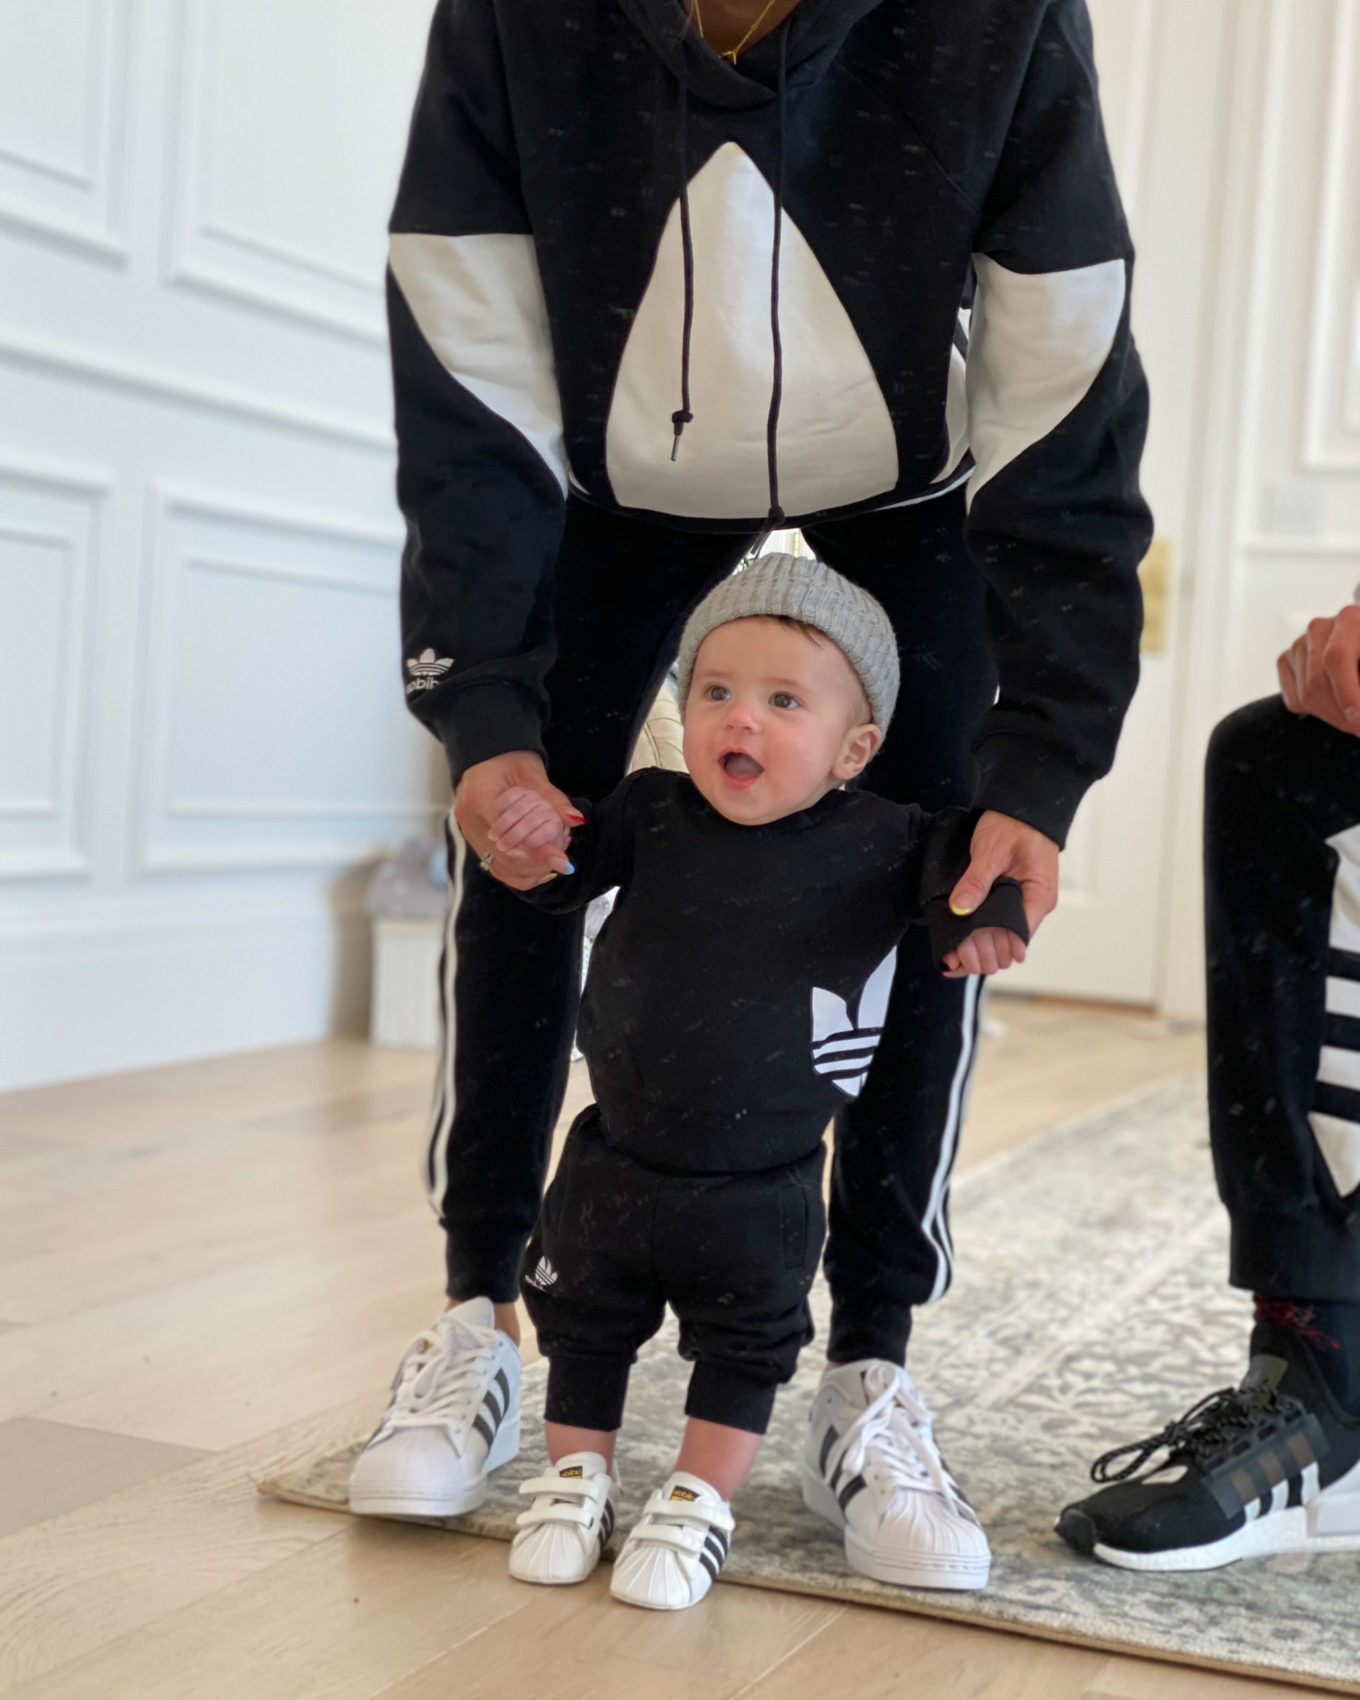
point(622, 591)
point(1282, 893)
point(617, 1241)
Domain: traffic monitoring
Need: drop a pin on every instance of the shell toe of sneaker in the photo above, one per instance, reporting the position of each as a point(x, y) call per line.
point(567, 1526)
point(657, 1580)
point(920, 1550)
point(414, 1472)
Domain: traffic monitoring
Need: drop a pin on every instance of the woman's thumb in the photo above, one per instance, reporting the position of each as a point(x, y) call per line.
point(972, 888)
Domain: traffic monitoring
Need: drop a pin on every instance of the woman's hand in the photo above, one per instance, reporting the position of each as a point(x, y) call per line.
point(1002, 845)
point(477, 802)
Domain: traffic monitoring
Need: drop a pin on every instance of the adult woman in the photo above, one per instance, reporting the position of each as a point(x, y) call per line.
point(644, 293)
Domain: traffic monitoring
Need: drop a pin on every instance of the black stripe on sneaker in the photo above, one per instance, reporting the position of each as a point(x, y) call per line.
point(849, 1491)
point(484, 1428)
point(1266, 1503)
point(710, 1564)
point(493, 1405)
point(606, 1524)
point(1343, 965)
point(828, 1441)
point(723, 1539)
point(714, 1545)
point(1295, 1493)
point(503, 1383)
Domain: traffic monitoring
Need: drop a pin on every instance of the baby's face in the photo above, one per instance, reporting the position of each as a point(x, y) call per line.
point(774, 720)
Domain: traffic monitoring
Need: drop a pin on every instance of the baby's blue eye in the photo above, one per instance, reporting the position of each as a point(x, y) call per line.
point(782, 699)
point(716, 693)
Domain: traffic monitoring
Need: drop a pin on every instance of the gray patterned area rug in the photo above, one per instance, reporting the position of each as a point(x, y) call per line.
point(1089, 1307)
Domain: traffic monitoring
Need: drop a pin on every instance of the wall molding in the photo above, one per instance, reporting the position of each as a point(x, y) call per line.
point(206, 254)
point(153, 852)
point(86, 552)
point(162, 384)
point(89, 213)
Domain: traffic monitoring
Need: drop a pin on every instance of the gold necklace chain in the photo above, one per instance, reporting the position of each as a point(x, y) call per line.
point(730, 54)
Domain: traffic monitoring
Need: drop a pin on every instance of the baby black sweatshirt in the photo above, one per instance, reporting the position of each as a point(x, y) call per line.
point(738, 990)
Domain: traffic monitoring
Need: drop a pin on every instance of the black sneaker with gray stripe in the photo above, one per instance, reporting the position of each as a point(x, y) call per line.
point(1270, 1466)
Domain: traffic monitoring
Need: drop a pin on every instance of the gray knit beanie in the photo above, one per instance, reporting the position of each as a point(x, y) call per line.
point(796, 588)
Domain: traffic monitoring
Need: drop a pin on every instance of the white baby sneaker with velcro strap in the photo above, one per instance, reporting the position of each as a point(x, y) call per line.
point(872, 1468)
point(568, 1524)
point(673, 1554)
point(453, 1416)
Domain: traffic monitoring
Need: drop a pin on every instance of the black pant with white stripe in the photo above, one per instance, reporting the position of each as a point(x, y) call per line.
point(622, 591)
point(1282, 891)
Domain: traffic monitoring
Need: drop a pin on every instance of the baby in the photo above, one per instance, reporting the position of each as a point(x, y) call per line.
point(734, 997)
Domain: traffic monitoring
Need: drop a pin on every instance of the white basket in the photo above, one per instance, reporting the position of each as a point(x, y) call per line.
point(405, 1008)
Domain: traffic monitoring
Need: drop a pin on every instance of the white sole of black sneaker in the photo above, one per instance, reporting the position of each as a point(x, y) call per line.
point(503, 1448)
point(1330, 1523)
point(958, 1573)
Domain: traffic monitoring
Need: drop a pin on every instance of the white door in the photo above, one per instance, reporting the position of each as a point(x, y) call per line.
point(202, 736)
point(1162, 65)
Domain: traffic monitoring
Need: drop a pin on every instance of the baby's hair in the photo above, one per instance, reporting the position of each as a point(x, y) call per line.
point(863, 706)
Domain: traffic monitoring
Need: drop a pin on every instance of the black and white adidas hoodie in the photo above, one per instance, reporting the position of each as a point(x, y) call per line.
point(737, 993)
point(592, 218)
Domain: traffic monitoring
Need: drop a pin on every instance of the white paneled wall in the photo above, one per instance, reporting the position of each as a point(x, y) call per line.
point(203, 741)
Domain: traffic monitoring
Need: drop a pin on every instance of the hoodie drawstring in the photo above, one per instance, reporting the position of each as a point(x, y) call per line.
point(775, 517)
point(683, 415)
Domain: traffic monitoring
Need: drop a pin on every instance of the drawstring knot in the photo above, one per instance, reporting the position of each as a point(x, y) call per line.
point(680, 418)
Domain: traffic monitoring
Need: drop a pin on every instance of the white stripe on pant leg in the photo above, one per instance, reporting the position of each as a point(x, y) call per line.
point(946, 1233)
point(437, 1150)
point(1344, 932)
point(1342, 997)
point(1339, 1067)
point(934, 1222)
point(984, 991)
point(1337, 1139)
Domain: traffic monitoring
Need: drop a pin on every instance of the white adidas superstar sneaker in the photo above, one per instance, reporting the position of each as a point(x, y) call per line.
point(871, 1467)
point(673, 1554)
point(568, 1524)
point(453, 1416)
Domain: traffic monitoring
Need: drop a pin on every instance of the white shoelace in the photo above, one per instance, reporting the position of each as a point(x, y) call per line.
point(441, 1379)
point(891, 1444)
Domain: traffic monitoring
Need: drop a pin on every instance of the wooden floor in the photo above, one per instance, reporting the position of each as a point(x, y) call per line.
point(206, 1274)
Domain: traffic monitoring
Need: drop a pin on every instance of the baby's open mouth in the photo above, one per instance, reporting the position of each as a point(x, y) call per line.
point(736, 764)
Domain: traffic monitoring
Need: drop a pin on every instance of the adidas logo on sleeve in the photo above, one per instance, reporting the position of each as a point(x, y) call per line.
point(544, 1276)
point(426, 670)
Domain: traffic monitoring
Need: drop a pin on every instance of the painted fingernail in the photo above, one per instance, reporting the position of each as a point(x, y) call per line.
point(955, 910)
point(571, 867)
